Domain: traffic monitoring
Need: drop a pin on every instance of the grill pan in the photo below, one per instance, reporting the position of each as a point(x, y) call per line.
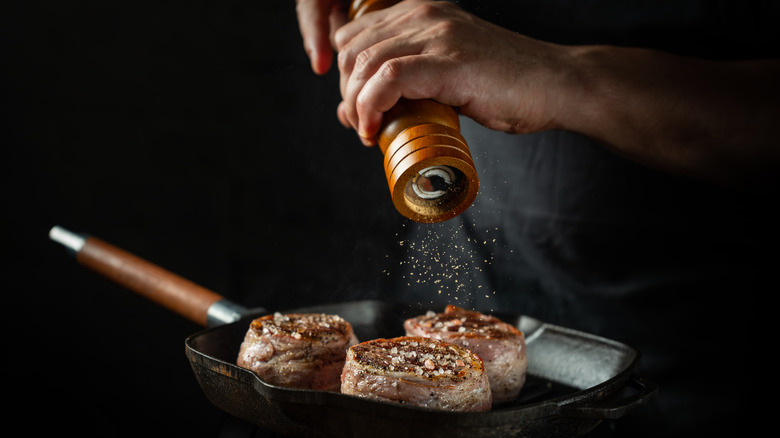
point(575, 380)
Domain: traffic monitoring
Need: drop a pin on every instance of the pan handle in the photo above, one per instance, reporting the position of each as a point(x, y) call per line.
point(178, 294)
point(644, 391)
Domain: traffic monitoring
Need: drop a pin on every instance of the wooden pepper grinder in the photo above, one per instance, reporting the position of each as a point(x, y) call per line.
point(428, 164)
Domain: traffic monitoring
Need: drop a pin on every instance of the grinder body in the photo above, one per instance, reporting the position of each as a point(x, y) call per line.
point(429, 168)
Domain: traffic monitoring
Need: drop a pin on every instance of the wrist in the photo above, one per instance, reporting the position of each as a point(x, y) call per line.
point(581, 93)
point(555, 89)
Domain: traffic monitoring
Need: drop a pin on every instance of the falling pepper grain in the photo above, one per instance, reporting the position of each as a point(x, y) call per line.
point(445, 258)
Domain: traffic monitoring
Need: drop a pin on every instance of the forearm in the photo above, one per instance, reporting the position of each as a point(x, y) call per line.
point(714, 121)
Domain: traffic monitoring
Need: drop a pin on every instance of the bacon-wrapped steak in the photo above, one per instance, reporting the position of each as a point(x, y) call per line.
point(501, 346)
point(417, 371)
point(298, 350)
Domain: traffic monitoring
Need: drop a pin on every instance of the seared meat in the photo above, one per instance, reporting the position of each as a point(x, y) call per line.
point(417, 371)
point(501, 346)
point(297, 350)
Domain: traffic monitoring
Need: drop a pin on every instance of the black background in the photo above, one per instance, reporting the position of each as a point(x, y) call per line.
point(195, 135)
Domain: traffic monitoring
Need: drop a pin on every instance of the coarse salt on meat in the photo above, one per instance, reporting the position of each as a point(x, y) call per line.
point(297, 350)
point(501, 346)
point(417, 371)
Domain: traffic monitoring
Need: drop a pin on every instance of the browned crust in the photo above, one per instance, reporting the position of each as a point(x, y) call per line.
point(466, 323)
point(315, 327)
point(424, 358)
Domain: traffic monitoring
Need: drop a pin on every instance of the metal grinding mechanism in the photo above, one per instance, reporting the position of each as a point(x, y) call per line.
point(427, 162)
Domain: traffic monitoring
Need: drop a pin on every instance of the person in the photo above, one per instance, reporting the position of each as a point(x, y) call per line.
point(705, 119)
point(628, 169)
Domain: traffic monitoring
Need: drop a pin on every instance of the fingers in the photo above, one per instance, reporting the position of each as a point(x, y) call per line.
point(378, 62)
point(357, 36)
point(383, 56)
point(318, 21)
point(435, 50)
point(411, 77)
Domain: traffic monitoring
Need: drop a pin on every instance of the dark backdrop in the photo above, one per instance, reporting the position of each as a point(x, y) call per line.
point(195, 135)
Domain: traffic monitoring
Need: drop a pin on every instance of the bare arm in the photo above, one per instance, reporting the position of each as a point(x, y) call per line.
point(714, 121)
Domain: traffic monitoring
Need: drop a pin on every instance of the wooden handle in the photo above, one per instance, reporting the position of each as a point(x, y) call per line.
point(163, 287)
point(428, 164)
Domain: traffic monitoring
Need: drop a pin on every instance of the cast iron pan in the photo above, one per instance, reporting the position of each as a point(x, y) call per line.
point(575, 380)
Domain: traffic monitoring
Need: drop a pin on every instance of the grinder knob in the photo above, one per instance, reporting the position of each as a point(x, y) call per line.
point(427, 162)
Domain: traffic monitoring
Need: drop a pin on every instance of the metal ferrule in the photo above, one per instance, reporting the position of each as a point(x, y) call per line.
point(224, 312)
point(74, 242)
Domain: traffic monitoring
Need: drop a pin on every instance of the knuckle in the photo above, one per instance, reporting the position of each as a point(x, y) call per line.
point(390, 71)
point(445, 28)
point(338, 37)
point(344, 59)
point(435, 10)
point(427, 10)
point(363, 60)
point(362, 103)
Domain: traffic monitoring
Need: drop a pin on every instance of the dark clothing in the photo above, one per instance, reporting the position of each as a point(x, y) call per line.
point(570, 233)
point(565, 231)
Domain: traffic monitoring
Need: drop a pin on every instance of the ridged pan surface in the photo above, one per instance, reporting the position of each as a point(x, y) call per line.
point(574, 381)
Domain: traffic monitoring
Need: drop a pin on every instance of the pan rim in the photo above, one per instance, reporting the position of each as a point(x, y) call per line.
point(550, 407)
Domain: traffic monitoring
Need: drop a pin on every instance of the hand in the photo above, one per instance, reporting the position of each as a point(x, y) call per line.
point(710, 120)
point(318, 20)
point(422, 49)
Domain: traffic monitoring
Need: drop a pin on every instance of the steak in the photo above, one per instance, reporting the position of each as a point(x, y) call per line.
point(417, 371)
point(501, 346)
point(305, 350)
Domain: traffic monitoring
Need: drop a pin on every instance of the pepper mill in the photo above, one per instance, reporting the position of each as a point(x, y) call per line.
point(427, 162)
